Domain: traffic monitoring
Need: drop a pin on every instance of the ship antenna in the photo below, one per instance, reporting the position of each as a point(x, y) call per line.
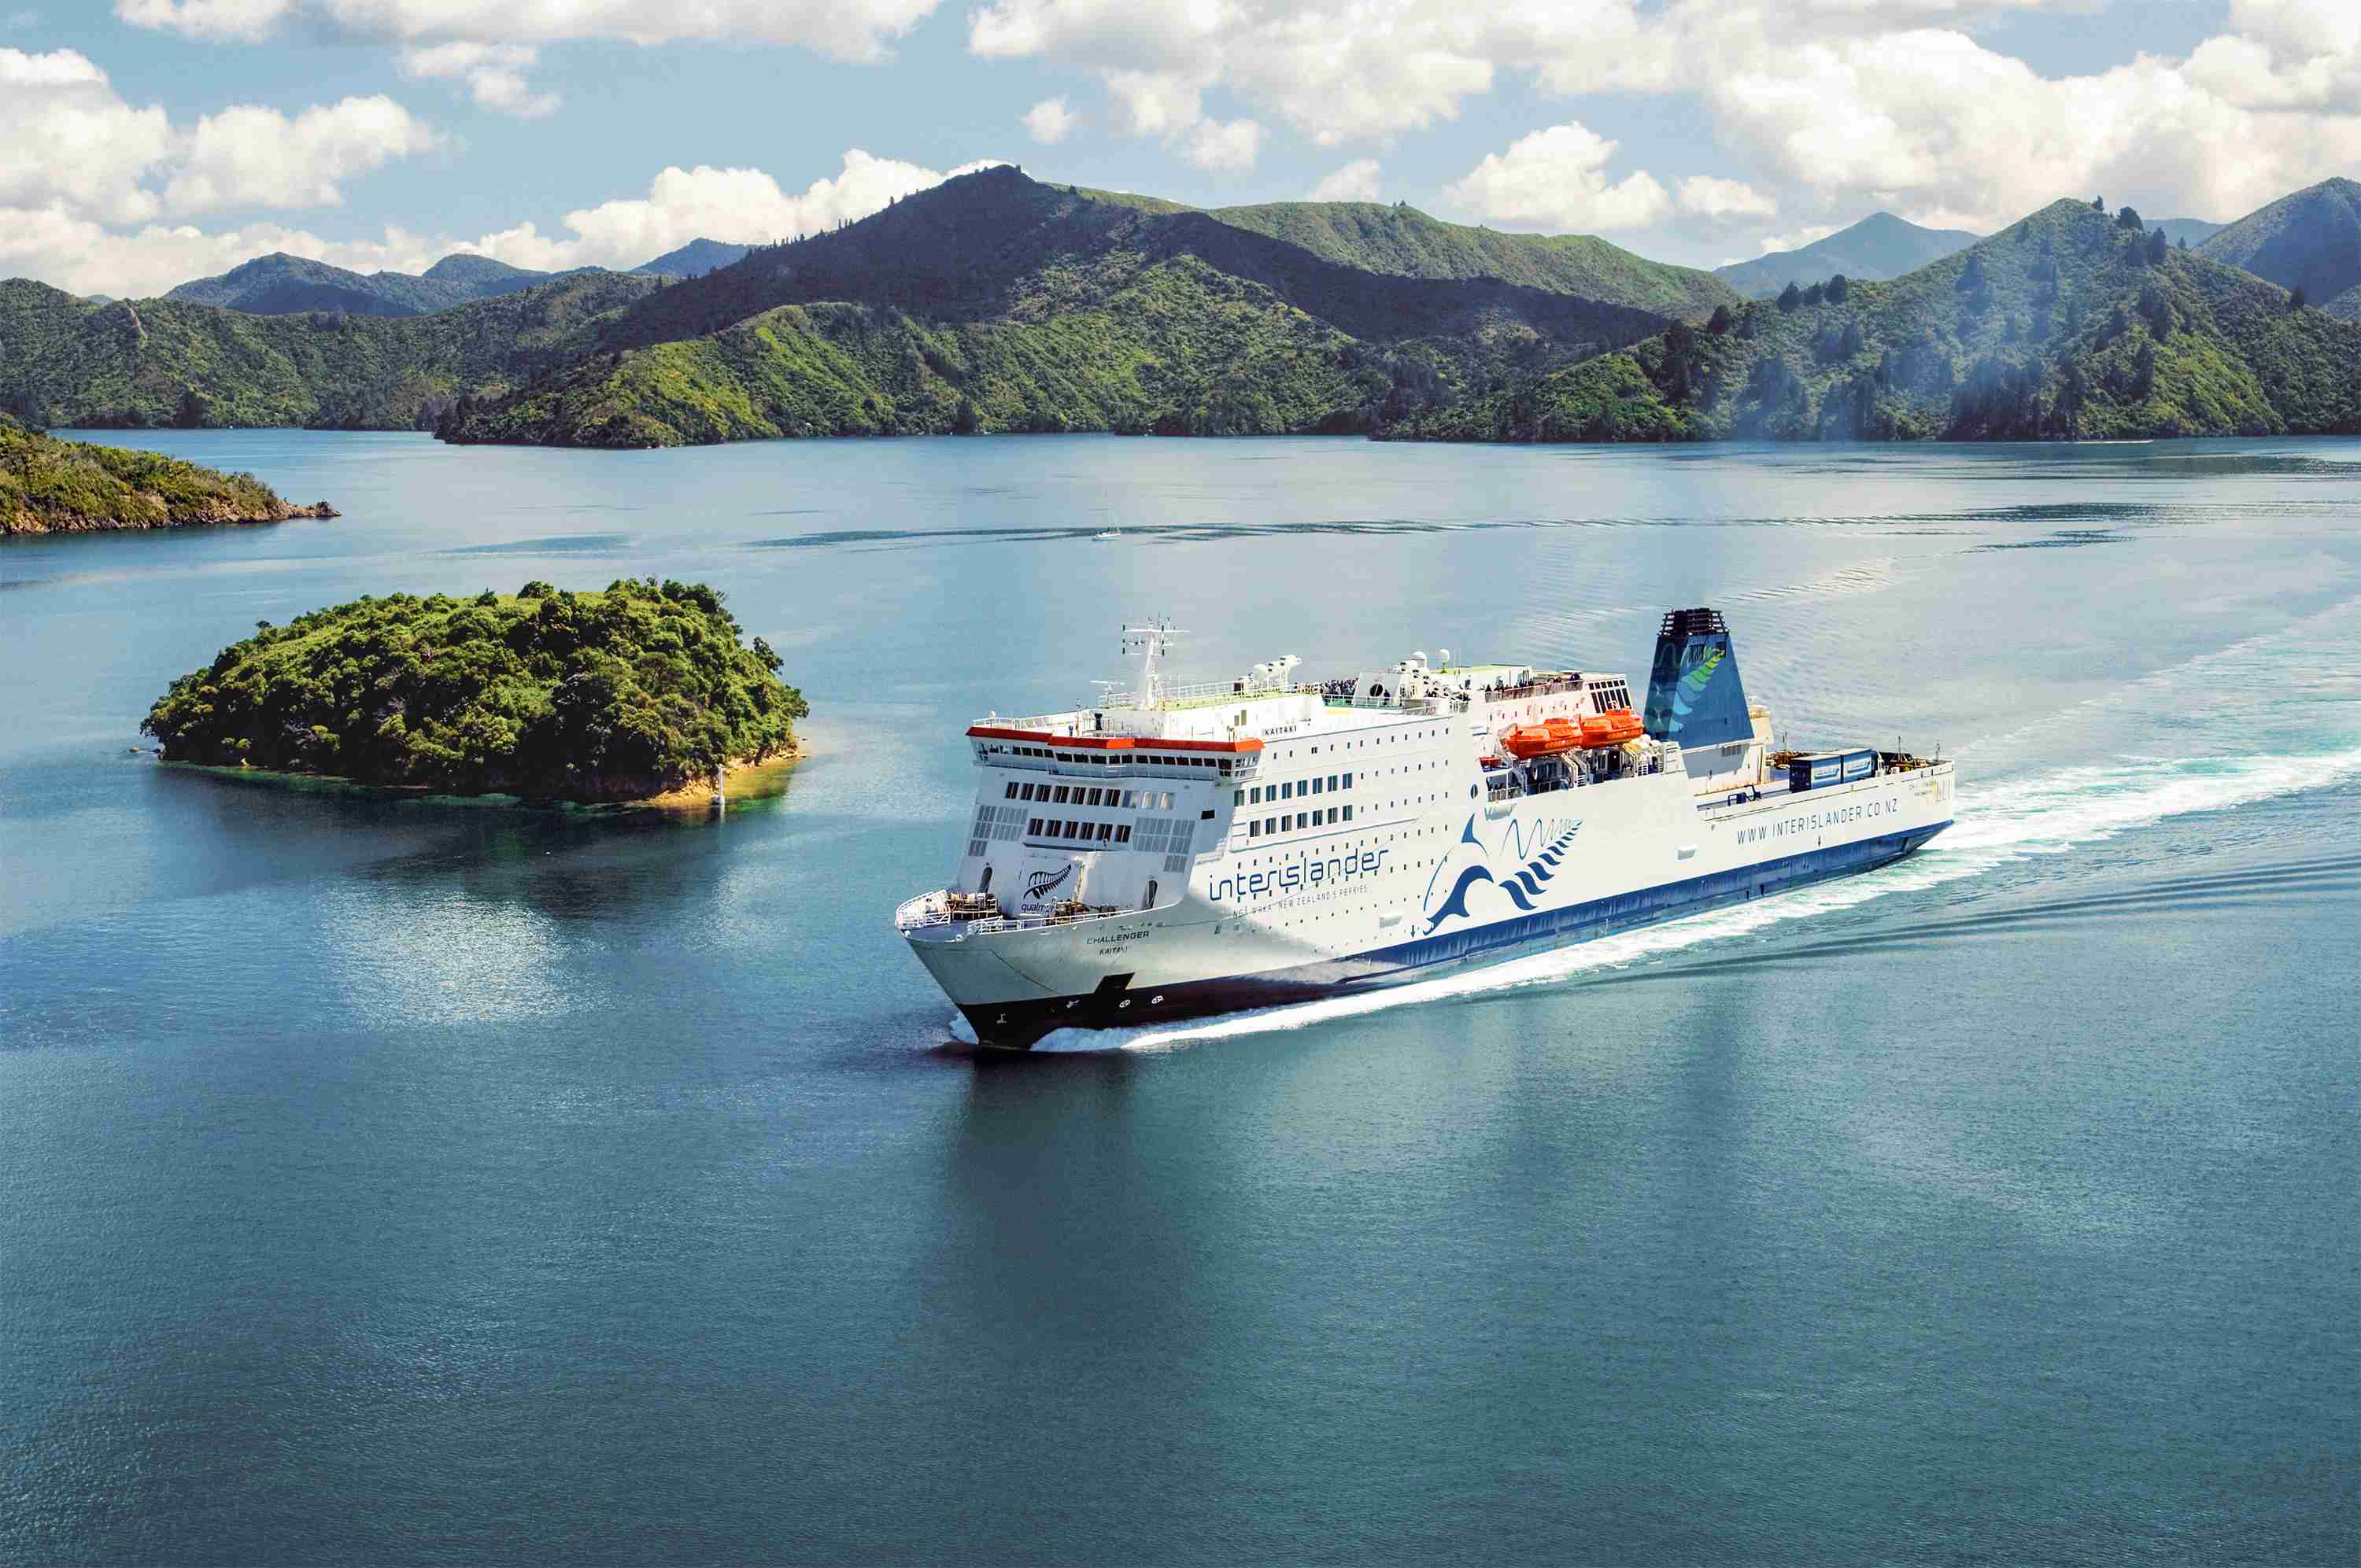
point(1150, 641)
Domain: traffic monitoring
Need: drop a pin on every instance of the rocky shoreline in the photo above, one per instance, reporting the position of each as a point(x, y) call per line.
point(47, 486)
point(156, 513)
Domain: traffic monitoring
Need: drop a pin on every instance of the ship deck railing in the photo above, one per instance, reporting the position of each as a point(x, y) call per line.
point(942, 908)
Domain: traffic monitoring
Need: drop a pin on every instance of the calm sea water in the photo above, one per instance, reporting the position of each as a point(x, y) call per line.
point(416, 1182)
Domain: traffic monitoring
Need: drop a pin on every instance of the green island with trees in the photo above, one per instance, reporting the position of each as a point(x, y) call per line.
point(49, 485)
point(638, 691)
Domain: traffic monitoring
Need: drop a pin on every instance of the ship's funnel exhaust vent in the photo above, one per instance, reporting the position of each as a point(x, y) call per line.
point(1695, 698)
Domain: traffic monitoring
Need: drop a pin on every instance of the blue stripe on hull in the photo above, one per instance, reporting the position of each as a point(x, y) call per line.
point(1017, 1026)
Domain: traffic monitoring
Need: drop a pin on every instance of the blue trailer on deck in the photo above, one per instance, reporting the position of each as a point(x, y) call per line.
point(1818, 770)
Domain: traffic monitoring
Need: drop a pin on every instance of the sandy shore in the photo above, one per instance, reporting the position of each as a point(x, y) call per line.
point(740, 781)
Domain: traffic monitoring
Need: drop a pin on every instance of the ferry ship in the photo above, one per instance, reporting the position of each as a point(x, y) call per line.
point(1178, 850)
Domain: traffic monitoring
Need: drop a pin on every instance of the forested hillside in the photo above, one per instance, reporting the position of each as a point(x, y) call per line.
point(279, 285)
point(2310, 240)
point(146, 363)
point(49, 485)
point(1406, 242)
point(993, 302)
point(2070, 323)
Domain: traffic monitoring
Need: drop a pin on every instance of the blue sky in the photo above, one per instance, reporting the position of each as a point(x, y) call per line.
point(153, 140)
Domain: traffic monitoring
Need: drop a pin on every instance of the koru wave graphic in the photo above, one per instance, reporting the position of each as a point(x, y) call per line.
point(1525, 886)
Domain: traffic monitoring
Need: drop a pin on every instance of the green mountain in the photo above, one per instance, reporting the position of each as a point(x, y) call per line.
point(137, 364)
point(1407, 243)
point(2310, 240)
point(49, 485)
point(993, 302)
point(2067, 325)
point(282, 285)
point(599, 696)
point(694, 259)
point(1879, 247)
point(2192, 231)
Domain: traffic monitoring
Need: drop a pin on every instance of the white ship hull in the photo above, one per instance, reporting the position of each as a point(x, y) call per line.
point(1359, 845)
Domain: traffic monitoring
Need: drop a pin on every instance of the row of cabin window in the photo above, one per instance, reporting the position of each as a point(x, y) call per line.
point(1086, 832)
point(1077, 795)
point(1289, 824)
point(1289, 790)
point(1127, 758)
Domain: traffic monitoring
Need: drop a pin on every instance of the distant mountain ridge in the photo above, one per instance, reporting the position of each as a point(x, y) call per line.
point(1879, 247)
point(995, 301)
point(1407, 243)
point(2070, 323)
point(279, 284)
point(694, 259)
point(147, 363)
point(2308, 239)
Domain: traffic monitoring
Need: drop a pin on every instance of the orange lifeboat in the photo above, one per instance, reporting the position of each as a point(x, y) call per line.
point(1614, 728)
point(1543, 740)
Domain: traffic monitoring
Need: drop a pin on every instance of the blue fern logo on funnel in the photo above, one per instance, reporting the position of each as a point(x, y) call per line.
point(1694, 694)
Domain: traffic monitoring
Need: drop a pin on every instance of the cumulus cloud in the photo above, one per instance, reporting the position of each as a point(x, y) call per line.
point(1211, 144)
point(243, 19)
point(1835, 105)
point(75, 253)
point(70, 143)
point(67, 138)
point(1050, 121)
point(1356, 181)
point(252, 157)
point(848, 30)
point(739, 207)
point(1557, 179)
point(1711, 197)
point(494, 75)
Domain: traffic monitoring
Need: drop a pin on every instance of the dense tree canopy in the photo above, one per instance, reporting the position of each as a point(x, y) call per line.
point(610, 695)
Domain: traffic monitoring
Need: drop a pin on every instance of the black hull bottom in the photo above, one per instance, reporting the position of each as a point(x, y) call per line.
point(1020, 1026)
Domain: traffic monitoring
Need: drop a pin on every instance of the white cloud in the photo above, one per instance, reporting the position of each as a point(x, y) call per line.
point(70, 143)
point(1050, 121)
point(845, 29)
point(1934, 122)
point(1711, 197)
point(1557, 179)
point(1156, 103)
point(245, 19)
point(249, 156)
point(67, 138)
point(494, 75)
point(74, 253)
point(742, 206)
point(1356, 181)
point(739, 207)
point(1837, 106)
point(1210, 144)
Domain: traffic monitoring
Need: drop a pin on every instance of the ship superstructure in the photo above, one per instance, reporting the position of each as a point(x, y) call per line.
point(1174, 851)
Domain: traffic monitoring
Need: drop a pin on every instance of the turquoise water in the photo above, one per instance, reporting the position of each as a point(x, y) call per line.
point(422, 1182)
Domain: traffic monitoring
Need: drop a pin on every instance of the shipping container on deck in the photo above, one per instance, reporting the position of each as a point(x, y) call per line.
point(1819, 770)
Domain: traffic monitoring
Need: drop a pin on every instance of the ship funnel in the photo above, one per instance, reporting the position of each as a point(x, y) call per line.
point(1695, 698)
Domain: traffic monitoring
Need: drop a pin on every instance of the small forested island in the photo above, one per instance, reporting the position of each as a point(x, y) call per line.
point(638, 691)
point(47, 486)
